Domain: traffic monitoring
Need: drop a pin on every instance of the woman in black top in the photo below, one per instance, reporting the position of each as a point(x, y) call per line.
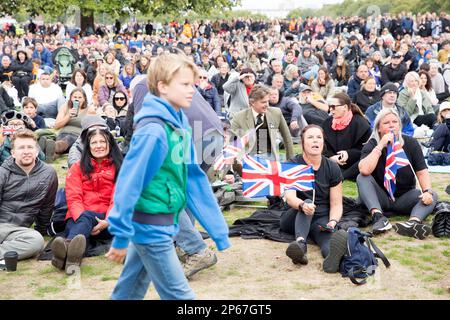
point(22, 76)
point(306, 217)
point(368, 95)
point(345, 133)
point(408, 199)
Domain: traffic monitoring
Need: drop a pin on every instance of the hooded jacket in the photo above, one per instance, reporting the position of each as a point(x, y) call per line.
point(25, 67)
point(27, 198)
point(407, 127)
point(149, 152)
point(94, 193)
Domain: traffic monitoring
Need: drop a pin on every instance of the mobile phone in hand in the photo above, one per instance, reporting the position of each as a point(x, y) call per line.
point(76, 106)
point(325, 228)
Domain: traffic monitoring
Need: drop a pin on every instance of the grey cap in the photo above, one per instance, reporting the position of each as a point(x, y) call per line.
point(305, 88)
point(92, 120)
point(388, 87)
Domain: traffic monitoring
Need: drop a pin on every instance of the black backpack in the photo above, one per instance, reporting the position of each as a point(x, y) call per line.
point(441, 220)
point(360, 260)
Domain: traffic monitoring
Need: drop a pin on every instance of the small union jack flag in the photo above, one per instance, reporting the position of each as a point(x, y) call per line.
point(395, 159)
point(232, 151)
point(263, 177)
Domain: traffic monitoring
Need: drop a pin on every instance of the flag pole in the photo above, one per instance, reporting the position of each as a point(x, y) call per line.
point(415, 176)
point(314, 195)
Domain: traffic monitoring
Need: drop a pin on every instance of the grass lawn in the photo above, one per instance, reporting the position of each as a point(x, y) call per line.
point(259, 269)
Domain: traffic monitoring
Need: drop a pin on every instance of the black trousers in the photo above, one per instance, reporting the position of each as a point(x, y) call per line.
point(22, 85)
point(301, 225)
point(426, 119)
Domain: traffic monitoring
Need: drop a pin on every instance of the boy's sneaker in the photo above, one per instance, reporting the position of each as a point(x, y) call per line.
point(413, 229)
point(199, 261)
point(338, 248)
point(380, 223)
point(297, 252)
point(75, 253)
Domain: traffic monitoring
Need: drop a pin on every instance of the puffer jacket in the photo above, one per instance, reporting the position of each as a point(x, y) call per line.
point(27, 199)
point(94, 193)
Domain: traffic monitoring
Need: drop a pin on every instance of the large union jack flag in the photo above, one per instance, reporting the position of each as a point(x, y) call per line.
point(263, 177)
point(395, 159)
point(232, 151)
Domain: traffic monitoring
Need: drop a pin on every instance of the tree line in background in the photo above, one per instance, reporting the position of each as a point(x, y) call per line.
point(365, 8)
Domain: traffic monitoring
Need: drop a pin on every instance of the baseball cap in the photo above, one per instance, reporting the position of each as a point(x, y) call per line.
point(305, 88)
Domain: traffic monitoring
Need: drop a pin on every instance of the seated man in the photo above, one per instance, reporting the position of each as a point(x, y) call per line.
point(389, 94)
point(290, 108)
point(49, 97)
point(267, 122)
point(315, 111)
point(28, 195)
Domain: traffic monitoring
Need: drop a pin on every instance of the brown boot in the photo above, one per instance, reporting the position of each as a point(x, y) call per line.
point(75, 254)
point(59, 250)
point(61, 146)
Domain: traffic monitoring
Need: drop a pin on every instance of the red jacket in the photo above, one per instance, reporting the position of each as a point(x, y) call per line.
point(94, 194)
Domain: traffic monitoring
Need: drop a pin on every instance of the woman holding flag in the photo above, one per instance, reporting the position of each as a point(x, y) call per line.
point(391, 164)
point(316, 212)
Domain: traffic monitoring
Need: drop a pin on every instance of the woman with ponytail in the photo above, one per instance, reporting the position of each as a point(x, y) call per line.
point(345, 132)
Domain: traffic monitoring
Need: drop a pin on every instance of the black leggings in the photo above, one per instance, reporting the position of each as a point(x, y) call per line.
point(299, 224)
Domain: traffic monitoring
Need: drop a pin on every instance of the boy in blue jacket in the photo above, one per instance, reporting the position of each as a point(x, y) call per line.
point(159, 178)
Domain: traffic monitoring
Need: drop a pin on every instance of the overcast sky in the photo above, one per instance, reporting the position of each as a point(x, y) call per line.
point(282, 4)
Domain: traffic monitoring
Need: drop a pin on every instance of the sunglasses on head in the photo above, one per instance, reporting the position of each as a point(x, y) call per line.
point(98, 127)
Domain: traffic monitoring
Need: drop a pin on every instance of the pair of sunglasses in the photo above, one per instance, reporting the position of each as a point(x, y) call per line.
point(119, 98)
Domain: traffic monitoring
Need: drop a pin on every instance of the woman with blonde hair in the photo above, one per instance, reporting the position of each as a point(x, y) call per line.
point(404, 198)
point(416, 101)
point(98, 81)
point(111, 85)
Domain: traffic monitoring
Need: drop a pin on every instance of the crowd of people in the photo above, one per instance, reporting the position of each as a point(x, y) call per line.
point(147, 109)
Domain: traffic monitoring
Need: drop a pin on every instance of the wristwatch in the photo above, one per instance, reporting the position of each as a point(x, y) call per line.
point(428, 190)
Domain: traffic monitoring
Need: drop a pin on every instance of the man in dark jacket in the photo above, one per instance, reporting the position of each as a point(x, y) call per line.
point(6, 102)
point(354, 84)
point(395, 71)
point(290, 108)
point(28, 196)
point(42, 53)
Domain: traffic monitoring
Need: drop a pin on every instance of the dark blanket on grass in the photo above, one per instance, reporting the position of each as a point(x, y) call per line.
point(265, 224)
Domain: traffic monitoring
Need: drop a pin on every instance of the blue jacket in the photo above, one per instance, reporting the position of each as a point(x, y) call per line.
point(353, 86)
point(373, 110)
point(45, 57)
point(212, 96)
point(148, 149)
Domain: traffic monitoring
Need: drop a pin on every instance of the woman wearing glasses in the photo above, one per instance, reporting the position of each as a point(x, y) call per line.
point(89, 191)
point(209, 91)
point(345, 133)
point(107, 90)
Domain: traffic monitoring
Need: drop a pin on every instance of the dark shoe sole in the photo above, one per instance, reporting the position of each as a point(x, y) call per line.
point(50, 151)
point(59, 251)
point(75, 253)
point(338, 248)
point(296, 253)
point(418, 231)
point(383, 230)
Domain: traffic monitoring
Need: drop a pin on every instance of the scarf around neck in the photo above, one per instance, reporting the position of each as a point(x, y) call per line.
point(342, 122)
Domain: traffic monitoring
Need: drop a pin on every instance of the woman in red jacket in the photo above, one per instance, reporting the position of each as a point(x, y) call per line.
point(89, 192)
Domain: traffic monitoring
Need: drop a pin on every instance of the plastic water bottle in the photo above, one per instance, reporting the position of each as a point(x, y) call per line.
point(117, 129)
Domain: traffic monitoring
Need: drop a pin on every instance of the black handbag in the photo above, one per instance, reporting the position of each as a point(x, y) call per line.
point(441, 220)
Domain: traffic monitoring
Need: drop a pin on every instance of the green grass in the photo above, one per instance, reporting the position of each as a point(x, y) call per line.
point(42, 291)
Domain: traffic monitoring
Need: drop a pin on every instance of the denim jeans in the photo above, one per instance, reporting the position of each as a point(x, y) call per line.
point(312, 73)
point(157, 262)
point(84, 225)
point(189, 238)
